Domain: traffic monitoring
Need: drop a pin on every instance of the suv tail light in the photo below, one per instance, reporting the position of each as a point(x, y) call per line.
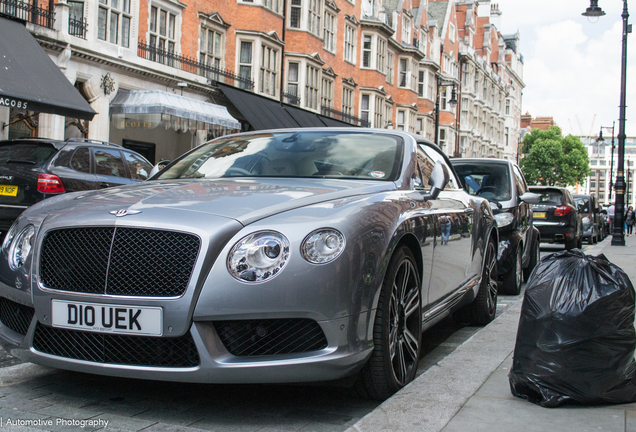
point(49, 183)
point(562, 210)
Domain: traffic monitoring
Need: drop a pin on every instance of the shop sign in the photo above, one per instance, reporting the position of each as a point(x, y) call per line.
point(12, 103)
point(136, 124)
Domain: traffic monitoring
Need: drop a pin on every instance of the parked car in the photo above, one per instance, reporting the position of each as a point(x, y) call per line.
point(557, 216)
point(270, 256)
point(502, 183)
point(591, 217)
point(32, 169)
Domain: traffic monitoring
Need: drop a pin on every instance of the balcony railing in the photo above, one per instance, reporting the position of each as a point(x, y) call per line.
point(27, 12)
point(330, 112)
point(291, 98)
point(191, 65)
point(77, 27)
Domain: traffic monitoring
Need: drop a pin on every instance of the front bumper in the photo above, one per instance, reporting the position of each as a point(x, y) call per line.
point(346, 351)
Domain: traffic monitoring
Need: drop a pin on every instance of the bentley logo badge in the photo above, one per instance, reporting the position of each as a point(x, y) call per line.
point(123, 212)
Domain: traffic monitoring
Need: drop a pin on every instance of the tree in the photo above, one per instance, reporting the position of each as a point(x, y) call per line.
point(553, 159)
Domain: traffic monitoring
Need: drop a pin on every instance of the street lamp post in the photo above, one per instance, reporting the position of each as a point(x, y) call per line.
point(601, 140)
point(452, 102)
point(618, 238)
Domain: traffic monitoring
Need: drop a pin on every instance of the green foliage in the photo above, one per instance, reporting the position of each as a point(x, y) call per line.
point(552, 159)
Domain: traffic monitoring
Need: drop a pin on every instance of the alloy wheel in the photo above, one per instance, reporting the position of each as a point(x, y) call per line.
point(404, 307)
point(490, 273)
point(519, 268)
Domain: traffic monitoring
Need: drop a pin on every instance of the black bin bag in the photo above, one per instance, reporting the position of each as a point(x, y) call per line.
point(576, 339)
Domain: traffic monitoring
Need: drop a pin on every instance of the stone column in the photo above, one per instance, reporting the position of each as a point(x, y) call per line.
point(5, 114)
point(51, 126)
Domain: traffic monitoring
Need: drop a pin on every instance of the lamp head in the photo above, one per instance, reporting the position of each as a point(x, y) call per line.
point(593, 13)
point(600, 138)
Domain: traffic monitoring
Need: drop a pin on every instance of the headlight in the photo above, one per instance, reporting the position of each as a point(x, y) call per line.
point(504, 219)
point(323, 246)
point(9, 236)
point(259, 256)
point(21, 247)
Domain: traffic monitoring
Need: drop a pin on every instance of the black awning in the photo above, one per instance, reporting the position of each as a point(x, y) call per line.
point(264, 113)
point(29, 79)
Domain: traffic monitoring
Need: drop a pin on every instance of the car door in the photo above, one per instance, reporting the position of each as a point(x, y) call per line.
point(74, 169)
point(110, 168)
point(452, 217)
point(524, 212)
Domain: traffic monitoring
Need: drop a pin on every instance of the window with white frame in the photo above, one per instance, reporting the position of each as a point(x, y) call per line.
point(366, 50)
point(378, 112)
point(380, 61)
point(292, 78)
point(419, 126)
point(314, 24)
point(401, 118)
point(506, 136)
point(422, 41)
point(421, 83)
point(412, 117)
point(451, 31)
point(403, 72)
point(269, 69)
point(413, 75)
point(329, 42)
point(113, 22)
point(326, 93)
point(406, 29)
point(368, 7)
point(162, 33)
point(211, 51)
point(272, 4)
point(364, 107)
point(430, 90)
point(350, 44)
point(245, 62)
point(442, 139)
point(507, 106)
point(347, 100)
point(294, 13)
point(388, 114)
point(390, 67)
point(311, 87)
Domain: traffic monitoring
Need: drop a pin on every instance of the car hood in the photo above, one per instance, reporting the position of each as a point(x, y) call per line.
point(245, 200)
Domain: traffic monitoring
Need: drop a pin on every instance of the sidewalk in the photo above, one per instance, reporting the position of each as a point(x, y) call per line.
point(468, 391)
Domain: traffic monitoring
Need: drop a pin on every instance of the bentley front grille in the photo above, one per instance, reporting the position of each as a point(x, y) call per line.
point(116, 349)
point(118, 261)
point(270, 336)
point(16, 316)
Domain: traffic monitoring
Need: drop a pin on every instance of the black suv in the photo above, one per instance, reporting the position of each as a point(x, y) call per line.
point(557, 216)
point(32, 169)
point(502, 183)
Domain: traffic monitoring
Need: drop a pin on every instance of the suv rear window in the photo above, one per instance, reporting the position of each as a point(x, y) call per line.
point(583, 204)
point(26, 153)
point(550, 197)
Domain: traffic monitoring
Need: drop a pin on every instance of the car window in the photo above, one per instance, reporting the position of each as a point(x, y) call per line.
point(520, 180)
point(550, 197)
point(26, 153)
point(425, 167)
point(109, 163)
point(139, 167)
point(435, 156)
point(487, 180)
point(583, 204)
point(350, 155)
point(81, 160)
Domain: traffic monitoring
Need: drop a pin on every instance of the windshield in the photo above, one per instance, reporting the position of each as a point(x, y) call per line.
point(293, 154)
point(583, 204)
point(487, 180)
point(26, 153)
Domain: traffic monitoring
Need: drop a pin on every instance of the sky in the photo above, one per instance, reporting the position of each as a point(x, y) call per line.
point(572, 67)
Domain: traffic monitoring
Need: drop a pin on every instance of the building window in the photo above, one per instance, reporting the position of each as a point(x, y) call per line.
point(329, 42)
point(400, 120)
point(347, 101)
point(381, 55)
point(413, 75)
point(364, 107)
point(390, 69)
point(211, 51)
point(419, 127)
point(245, 63)
point(506, 135)
point(422, 46)
point(378, 112)
point(315, 12)
point(593, 184)
point(442, 139)
point(271, 4)
point(350, 44)
point(421, 78)
point(326, 94)
point(601, 184)
point(113, 21)
point(593, 162)
point(431, 80)
point(412, 116)
point(602, 162)
point(451, 31)
point(268, 70)
point(294, 16)
point(162, 33)
point(292, 79)
point(388, 114)
point(366, 51)
point(403, 72)
point(311, 88)
point(406, 29)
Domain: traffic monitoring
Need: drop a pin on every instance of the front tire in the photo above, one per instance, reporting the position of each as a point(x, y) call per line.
point(484, 308)
point(513, 278)
point(397, 331)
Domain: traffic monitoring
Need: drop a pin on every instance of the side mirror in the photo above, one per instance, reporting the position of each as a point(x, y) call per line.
point(530, 198)
point(161, 165)
point(437, 181)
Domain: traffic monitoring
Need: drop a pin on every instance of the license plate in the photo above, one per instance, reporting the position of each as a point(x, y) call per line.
point(539, 215)
point(107, 318)
point(8, 190)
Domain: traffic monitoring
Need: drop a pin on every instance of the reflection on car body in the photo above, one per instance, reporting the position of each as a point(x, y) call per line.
point(273, 256)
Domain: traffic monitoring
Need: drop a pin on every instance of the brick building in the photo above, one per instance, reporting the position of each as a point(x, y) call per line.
point(165, 75)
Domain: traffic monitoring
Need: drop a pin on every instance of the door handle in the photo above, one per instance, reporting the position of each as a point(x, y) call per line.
point(469, 210)
point(104, 185)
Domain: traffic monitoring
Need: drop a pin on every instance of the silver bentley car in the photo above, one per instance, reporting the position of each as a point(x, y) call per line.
point(265, 257)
